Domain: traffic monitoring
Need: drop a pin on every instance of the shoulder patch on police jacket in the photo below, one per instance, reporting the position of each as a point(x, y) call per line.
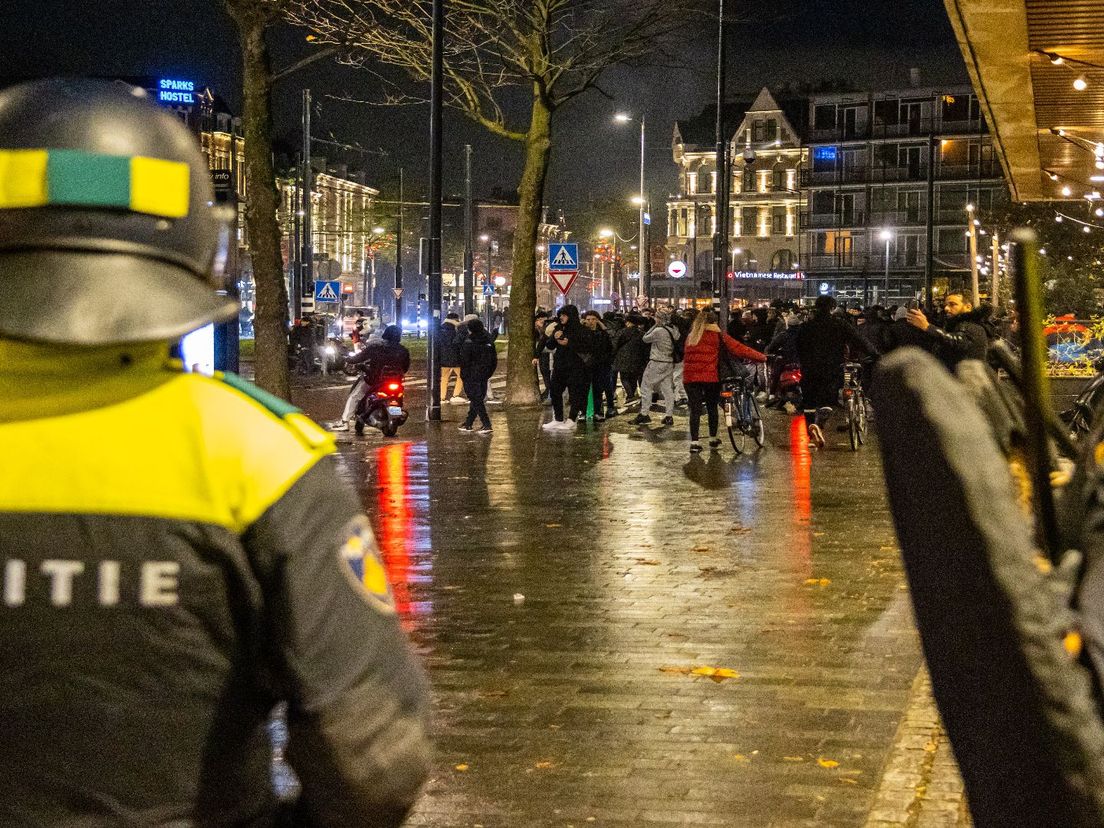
point(361, 563)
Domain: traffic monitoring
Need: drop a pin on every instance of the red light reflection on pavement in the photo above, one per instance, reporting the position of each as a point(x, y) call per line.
point(395, 522)
point(800, 468)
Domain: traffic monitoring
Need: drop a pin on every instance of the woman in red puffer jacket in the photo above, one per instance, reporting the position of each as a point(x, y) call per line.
point(699, 373)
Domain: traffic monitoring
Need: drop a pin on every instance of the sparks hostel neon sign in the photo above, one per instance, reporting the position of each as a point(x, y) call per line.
point(174, 91)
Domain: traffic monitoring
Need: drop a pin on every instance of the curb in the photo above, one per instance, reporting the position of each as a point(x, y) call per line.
point(920, 786)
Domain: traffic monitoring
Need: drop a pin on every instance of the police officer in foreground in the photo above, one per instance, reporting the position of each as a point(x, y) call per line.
point(176, 553)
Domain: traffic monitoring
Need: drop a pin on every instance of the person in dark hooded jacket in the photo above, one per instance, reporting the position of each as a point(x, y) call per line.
point(965, 335)
point(570, 343)
point(630, 355)
point(824, 343)
point(478, 362)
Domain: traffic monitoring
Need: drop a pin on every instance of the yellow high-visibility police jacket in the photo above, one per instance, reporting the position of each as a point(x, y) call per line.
point(177, 556)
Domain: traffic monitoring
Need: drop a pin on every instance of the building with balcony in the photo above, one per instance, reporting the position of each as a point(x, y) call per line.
point(887, 184)
point(766, 159)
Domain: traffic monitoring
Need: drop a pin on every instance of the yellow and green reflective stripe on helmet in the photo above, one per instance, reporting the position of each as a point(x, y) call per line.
point(75, 178)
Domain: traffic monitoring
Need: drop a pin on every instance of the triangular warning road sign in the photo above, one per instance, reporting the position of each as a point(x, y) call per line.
point(327, 293)
point(563, 259)
point(397, 292)
point(563, 279)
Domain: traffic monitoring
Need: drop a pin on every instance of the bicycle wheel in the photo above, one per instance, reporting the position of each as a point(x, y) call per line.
point(730, 423)
point(862, 413)
point(853, 423)
point(756, 428)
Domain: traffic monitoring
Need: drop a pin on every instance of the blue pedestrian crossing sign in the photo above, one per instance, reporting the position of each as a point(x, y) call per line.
point(488, 289)
point(563, 257)
point(327, 291)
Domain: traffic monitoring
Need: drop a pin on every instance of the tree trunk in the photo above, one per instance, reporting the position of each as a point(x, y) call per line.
point(262, 200)
point(521, 377)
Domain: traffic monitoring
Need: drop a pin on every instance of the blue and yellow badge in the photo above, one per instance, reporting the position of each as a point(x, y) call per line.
point(361, 562)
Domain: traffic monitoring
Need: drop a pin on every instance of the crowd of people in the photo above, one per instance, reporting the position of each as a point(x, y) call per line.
point(678, 358)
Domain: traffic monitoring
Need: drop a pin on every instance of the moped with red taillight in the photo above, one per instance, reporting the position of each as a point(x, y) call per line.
point(383, 406)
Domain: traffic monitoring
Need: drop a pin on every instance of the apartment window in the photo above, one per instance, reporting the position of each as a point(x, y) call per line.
point(823, 202)
point(912, 113)
point(911, 160)
point(850, 119)
point(782, 261)
point(791, 222)
point(845, 209)
point(747, 220)
point(778, 220)
point(772, 129)
point(758, 132)
point(908, 204)
point(824, 159)
point(886, 113)
point(909, 249)
point(778, 179)
point(840, 244)
point(956, 108)
point(749, 179)
point(764, 222)
point(824, 117)
point(692, 187)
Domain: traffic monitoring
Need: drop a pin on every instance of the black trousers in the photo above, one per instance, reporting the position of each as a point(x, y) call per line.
point(476, 391)
point(603, 387)
point(577, 384)
point(819, 391)
point(705, 395)
point(630, 382)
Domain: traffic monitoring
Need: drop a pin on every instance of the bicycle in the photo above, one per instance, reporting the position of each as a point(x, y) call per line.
point(741, 414)
point(853, 399)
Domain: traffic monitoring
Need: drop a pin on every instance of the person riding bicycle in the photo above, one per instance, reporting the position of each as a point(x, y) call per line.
point(706, 346)
point(382, 357)
point(824, 343)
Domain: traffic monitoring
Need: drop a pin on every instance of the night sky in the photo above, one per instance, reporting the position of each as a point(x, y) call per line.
point(871, 43)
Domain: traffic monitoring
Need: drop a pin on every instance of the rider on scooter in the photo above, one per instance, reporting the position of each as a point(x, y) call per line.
point(380, 357)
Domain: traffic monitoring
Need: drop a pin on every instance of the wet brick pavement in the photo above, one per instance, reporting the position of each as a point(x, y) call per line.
point(561, 588)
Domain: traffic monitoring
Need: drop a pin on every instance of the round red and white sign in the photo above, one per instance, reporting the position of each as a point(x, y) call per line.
point(676, 269)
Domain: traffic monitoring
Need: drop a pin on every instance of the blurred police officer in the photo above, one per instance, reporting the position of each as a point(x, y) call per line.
point(176, 553)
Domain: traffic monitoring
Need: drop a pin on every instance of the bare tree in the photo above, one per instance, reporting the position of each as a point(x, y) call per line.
point(253, 18)
point(551, 51)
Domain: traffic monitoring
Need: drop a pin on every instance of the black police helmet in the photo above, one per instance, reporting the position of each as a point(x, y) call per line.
point(108, 231)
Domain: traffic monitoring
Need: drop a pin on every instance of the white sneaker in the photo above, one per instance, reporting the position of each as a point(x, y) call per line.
point(551, 425)
point(761, 397)
point(338, 425)
point(565, 425)
point(458, 401)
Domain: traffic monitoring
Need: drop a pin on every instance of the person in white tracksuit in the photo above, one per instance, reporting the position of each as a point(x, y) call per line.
point(659, 375)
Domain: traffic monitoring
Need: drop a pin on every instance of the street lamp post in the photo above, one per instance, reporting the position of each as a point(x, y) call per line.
point(886, 236)
point(973, 225)
point(490, 274)
point(644, 264)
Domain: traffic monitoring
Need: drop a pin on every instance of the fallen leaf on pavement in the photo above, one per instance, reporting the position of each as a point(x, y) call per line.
point(461, 767)
point(818, 581)
point(827, 763)
point(544, 765)
point(717, 674)
point(793, 758)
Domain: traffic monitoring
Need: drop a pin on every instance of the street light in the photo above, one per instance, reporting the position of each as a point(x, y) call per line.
point(887, 237)
point(641, 201)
